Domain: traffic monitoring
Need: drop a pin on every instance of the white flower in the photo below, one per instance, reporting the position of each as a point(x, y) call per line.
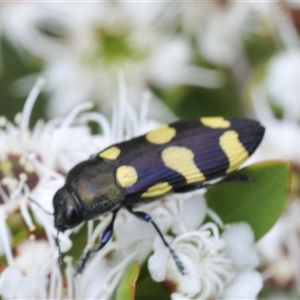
point(280, 247)
point(224, 30)
point(281, 251)
point(240, 244)
point(282, 84)
point(221, 37)
point(84, 45)
point(275, 90)
point(27, 278)
point(246, 285)
point(212, 264)
point(31, 166)
point(31, 162)
point(15, 285)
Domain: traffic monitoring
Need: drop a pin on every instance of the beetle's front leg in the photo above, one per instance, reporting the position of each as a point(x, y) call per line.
point(107, 234)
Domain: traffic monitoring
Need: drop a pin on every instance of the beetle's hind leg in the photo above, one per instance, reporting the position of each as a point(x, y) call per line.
point(201, 185)
point(106, 236)
point(237, 178)
point(145, 217)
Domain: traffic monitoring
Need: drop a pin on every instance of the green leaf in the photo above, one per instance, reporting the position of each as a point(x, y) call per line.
point(259, 201)
point(126, 288)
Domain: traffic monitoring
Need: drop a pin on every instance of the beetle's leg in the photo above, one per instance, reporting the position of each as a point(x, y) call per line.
point(106, 235)
point(189, 188)
point(145, 217)
point(237, 178)
point(197, 186)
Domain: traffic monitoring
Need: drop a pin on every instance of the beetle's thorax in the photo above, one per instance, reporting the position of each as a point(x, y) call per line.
point(93, 184)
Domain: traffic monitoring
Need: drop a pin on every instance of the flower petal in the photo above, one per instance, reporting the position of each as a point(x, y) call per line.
point(245, 285)
point(14, 285)
point(192, 213)
point(177, 296)
point(157, 263)
point(240, 246)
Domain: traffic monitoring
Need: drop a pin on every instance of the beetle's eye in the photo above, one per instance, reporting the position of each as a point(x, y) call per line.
point(71, 216)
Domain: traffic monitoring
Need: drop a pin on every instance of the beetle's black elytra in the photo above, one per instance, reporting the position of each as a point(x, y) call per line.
point(178, 157)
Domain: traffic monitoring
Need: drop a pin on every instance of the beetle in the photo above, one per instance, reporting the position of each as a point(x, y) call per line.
point(178, 157)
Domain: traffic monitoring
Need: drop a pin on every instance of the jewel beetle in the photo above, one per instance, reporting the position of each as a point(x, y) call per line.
point(178, 157)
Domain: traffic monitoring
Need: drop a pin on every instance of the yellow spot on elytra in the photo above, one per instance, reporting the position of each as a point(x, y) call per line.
point(126, 176)
point(181, 160)
point(110, 153)
point(215, 122)
point(157, 190)
point(161, 135)
point(233, 148)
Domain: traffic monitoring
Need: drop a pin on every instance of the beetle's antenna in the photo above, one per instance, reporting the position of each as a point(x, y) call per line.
point(40, 206)
point(60, 255)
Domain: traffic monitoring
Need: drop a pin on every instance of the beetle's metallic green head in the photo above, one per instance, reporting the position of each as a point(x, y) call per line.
point(66, 211)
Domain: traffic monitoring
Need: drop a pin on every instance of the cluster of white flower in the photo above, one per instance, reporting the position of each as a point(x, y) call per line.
point(32, 166)
point(274, 93)
point(215, 265)
point(84, 48)
point(280, 248)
